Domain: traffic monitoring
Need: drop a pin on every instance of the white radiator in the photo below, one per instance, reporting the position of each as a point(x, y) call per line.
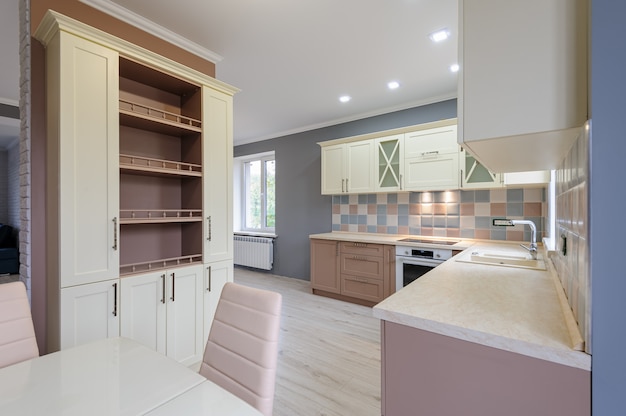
point(257, 252)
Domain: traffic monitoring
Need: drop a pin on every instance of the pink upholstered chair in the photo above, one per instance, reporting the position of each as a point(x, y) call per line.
point(17, 334)
point(241, 352)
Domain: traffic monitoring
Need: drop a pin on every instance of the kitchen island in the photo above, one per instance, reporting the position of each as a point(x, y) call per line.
point(482, 339)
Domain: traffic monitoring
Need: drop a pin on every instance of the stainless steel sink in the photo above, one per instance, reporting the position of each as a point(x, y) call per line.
point(505, 259)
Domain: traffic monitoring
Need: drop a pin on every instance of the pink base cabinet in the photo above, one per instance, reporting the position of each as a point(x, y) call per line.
point(428, 374)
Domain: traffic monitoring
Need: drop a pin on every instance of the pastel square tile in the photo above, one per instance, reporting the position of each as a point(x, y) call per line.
point(372, 208)
point(534, 195)
point(514, 209)
point(345, 219)
point(353, 228)
point(393, 229)
point(403, 229)
point(427, 221)
point(515, 235)
point(482, 195)
point(415, 209)
point(498, 209)
point(482, 234)
point(403, 220)
point(403, 198)
point(467, 208)
point(353, 209)
point(392, 220)
point(453, 208)
point(362, 199)
point(426, 231)
point(427, 198)
point(344, 209)
point(482, 223)
point(533, 209)
point(439, 196)
point(453, 221)
point(372, 219)
point(467, 196)
point(497, 195)
point(465, 233)
point(381, 219)
point(361, 209)
point(372, 228)
point(498, 235)
point(427, 209)
point(439, 209)
point(415, 197)
point(452, 196)
point(362, 228)
point(362, 219)
point(415, 231)
point(381, 209)
point(371, 199)
point(439, 221)
point(439, 232)
point(381, 229)
point(403, 209)
point(514, 195)
point(353, 199)
point(344, 227)
point(336, 208)
point(336, 199)
point(482, 209)
point(415, 221)
point(336, 227)
point(392, 198)
point(468, 222)
point(392, 209)
point(344, 199)
point(453, 232)
point(381, 199)
point(354, 219)
point(336, 219)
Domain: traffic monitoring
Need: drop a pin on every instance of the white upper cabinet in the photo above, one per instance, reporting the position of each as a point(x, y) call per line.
point(348, 168)
point(389, 159)
point(474, 175)
point(431, 159)
point(522, 95)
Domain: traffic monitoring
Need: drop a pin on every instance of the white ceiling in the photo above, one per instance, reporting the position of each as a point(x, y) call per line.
point(293, 59)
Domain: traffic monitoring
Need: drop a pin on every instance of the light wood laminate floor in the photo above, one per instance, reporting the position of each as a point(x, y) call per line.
point(329, 354)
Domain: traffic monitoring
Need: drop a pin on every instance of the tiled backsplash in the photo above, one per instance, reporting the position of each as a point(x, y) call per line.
point(572, 230)
point(460, 213)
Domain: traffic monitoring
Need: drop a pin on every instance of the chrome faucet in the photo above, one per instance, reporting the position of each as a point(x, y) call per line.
point(533, 236)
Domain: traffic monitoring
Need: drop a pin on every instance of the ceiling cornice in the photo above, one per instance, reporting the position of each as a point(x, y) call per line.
point(127, 16)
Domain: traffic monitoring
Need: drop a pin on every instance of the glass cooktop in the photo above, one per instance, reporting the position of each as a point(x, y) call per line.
point(426, 241)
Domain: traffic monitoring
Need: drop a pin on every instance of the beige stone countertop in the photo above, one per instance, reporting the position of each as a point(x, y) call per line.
point(513, 309)
point(391, 239)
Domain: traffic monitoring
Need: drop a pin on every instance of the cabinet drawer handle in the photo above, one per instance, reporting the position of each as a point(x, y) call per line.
point(208, 287)
point(208, 220)
point(115, 233)
point(358, 279)
point(434, 152)
point(359, 244)
point(114, 299)
point(163, 288)
point(173, 298)
point(359, 258)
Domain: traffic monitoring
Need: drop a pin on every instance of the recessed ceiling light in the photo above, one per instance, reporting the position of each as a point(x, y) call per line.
point(454, 68)
point(392, 85)
point(439, 35)
point(345, 98)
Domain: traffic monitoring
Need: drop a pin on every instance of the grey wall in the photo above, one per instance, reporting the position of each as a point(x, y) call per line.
point(607, 150)
point(300, 208)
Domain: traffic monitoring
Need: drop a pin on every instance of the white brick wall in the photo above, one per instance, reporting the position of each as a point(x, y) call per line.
point(4, 194)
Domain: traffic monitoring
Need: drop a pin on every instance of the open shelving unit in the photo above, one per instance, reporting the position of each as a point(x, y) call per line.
point(161, 170)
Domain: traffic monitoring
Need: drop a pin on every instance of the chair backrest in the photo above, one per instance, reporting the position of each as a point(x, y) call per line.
point(17, 334)
point(241, 352)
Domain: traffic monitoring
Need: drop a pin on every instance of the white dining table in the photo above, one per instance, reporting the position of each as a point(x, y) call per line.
point(114, 376)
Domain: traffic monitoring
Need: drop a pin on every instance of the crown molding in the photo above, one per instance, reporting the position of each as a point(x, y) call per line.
point(134, 19)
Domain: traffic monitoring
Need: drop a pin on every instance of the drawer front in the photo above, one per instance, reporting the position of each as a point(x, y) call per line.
point(362, 266)
point(361, 249)
point(362, 288)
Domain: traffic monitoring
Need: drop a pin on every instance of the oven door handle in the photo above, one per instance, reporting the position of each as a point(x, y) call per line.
point(418, 261)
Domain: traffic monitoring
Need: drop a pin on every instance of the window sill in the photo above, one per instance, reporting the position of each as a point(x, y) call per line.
point(256, 234)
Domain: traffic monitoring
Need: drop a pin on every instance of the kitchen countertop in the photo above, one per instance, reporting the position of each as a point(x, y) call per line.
point(514, 309)
point(392, 239)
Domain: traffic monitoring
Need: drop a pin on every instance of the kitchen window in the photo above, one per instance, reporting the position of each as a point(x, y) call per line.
point(258, 186)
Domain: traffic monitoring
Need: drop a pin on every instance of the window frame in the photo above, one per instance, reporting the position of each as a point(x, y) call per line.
point(263, 158)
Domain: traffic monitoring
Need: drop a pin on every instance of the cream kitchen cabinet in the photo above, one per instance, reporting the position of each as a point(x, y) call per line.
point(164, 311)
point(89, 312)
point(139, 167)
point(533, 178)
point(475, 175)
point(217, 150)
point(348, 168)
point(389, 161)
point(522, 93)
point(431, 159)
point(215, 277)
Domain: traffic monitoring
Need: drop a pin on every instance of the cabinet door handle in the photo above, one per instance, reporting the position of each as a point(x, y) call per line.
point(208, 286)
point(359, 258)
point(400, 181)
point(114, 299)
point(115, 233)
point(434, 152)
point(163, 288)
point(208, 220)
point(173, 298)
point(347, 190)
point(342, 185)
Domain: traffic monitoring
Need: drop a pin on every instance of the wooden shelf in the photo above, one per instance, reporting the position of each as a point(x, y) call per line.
point(155, 216)
point(130, 269)
point(148, 118)
point(152, 166)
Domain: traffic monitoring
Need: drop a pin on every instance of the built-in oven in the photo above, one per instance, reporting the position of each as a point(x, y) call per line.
point(412, 262)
